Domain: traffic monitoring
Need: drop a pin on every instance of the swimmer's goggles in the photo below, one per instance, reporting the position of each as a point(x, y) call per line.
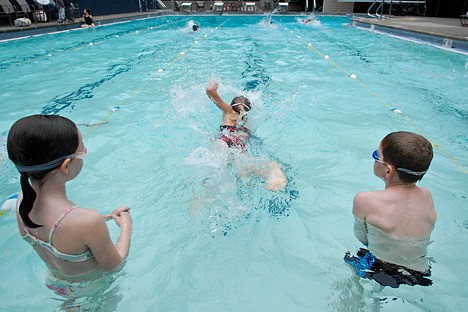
point(52, 164)
point(246, 108)
point(376, 157)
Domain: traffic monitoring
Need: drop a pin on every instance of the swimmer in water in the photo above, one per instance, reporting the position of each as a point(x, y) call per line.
point(234, 133)
point(308, 20)
point(395, 224)
point(73, 242)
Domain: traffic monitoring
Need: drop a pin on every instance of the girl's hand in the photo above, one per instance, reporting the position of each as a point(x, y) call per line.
point(123, 219)
point(117, 212)
point(212, 87)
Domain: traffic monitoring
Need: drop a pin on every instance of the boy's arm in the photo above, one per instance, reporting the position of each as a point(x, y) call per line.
point(359, 206)
point(212, 92)
point(360, 214)
point(360, 230)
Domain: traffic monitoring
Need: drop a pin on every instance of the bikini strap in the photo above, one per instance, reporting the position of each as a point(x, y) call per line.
point(52, 229)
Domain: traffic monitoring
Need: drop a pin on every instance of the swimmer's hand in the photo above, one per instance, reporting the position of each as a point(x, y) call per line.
point(276, 180)
point(212, 89)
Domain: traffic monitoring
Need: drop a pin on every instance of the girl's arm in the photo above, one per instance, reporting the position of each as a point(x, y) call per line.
point(212, 92)
point(97, 238)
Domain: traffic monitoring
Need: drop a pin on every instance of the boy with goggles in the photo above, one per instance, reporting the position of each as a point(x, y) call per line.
point(396, 223)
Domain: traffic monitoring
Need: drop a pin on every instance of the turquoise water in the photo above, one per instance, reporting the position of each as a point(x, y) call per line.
point(242, 248)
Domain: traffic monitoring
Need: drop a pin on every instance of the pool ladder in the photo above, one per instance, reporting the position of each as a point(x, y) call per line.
point(391, 2)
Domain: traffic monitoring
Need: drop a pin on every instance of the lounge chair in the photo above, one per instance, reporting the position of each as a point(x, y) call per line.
point(464, 19)
point(25, 9)
point(7, 10)
point(200, 6)
point(250, 6)
point(283, 6)
point(186, 6)
point(218, 6)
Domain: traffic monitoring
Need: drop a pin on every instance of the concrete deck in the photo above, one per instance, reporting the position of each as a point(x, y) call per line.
point(435, 26)
point(57, 26)
point(447, 33)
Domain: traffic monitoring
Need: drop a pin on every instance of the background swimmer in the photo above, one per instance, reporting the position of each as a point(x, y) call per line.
point(191, 27)
point(311, 20)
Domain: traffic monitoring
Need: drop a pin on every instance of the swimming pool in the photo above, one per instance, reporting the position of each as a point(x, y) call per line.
point(245, 248)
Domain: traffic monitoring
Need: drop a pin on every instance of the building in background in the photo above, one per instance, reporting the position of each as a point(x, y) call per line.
point(438, 8)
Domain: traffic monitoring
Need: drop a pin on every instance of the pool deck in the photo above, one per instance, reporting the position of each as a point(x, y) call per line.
point(15, 31)
point(450, 28)
point(447, 33)
point(427, 28)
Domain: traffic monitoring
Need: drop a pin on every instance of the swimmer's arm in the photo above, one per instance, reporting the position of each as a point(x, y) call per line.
point(97, 238)
point(212, 92)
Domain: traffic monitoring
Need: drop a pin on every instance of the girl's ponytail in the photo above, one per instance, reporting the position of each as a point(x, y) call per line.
point(29, 196)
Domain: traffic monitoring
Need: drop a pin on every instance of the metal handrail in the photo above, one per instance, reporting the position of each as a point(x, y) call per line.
point(382, 4)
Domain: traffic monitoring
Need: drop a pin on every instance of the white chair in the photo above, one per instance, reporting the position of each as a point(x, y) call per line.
point(464, 19)
point(250, 6)
point(283, 6)
point(186, 6)
point(218, 6)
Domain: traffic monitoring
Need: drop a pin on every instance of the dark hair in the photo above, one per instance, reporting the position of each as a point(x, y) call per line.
point(36, 140)
point(243, 100)
point(407, 150)
point(87, 10)
point(195, 27)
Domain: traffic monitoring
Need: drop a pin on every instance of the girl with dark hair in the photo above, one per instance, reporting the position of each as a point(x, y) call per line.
point(74, 242)
point(87, 19)
point(235, 134)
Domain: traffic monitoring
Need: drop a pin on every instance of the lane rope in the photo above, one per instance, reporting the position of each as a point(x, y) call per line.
point(370, 91)
point(89, 44)
point(152, 78)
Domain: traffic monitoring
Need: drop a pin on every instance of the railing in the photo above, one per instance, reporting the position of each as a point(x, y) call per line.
point(379, 6)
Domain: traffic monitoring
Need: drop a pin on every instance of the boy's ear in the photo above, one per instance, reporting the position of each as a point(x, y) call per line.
point(390, 171)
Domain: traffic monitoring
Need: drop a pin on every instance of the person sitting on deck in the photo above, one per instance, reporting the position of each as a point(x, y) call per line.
point(87, 19)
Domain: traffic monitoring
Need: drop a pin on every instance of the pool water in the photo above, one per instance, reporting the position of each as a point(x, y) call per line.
point(205, 239)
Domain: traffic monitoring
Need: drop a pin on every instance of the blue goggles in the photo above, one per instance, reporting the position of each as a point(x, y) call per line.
point(376, 157)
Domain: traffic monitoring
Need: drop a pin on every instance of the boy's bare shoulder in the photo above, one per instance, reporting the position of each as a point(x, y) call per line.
point(368, 198)
point(366, 202)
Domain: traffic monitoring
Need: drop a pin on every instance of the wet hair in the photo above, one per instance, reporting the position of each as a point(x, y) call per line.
point(407, 150)
point(87, 10)
point(195, 27)
point(243, 100)
point(36, 140)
